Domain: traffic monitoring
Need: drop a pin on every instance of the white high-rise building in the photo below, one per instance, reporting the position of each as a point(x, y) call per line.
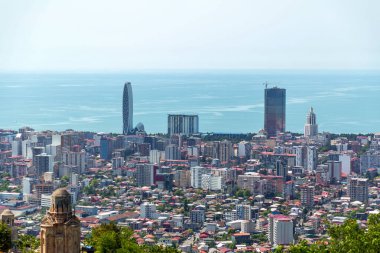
point(56, 139)
point(227, 174)
point(311, 127)
point(53, 150)
point(346, 163)
point(225, 151)
point(46, 200)
point(244, 212)
point(280, 230)
point(244, 149)
point(301, 155)
point(312, 158)
point(75, 159)
point(183, 124)
point(196, 176)
point(117, 162)
point(74, 179)
point(27, 149)
point(16, 147)
point(156, 156)
point(193, 151)
point(148, 210)
point(27, 185)
point(212, 182)
point(172, 152)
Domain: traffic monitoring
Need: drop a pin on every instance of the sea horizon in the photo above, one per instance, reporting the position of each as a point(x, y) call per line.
point(227, 101)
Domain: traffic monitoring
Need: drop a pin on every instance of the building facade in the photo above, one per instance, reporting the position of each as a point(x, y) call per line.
point(127, 108)
point(145, 174)
point(280, 230)
point(311, 127)
point(183, 124)
point(60, 228)
point(148, 210)
point(196, 176)
point(275, 111)
point(358, 189)
point(307, 195)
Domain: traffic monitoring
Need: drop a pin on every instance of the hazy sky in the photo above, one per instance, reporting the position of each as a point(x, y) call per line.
point(85, 35)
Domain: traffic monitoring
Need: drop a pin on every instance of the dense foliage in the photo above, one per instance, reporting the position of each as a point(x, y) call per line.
point(109, 238)
point(346, 238)
point(27, 243)
point(5, 237)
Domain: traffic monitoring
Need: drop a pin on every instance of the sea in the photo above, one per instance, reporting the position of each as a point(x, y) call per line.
point(227, 101)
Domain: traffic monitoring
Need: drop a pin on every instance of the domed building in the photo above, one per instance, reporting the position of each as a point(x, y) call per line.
point(60, 228)
point(139, 129)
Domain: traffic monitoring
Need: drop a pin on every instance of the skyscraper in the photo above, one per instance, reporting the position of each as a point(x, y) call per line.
point(307, 195)
point(358, 189)
point(145, 174)
point(311, 127)
point(127, 108)
point(182, 124)
point(275, 109)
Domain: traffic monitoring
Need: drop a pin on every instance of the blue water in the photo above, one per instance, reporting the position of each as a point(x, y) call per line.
point(226, 101)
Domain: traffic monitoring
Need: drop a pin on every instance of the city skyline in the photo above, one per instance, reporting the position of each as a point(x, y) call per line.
point(225, 101)
point(222, 158)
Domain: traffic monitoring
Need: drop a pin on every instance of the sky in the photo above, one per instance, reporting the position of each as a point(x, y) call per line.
point(117, 35)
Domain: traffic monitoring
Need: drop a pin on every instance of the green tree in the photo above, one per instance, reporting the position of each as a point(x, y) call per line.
point(27, 243)
point(5, 237)
point(303, 247)
point(178, 192)
point(109, 238)
point(348, 237)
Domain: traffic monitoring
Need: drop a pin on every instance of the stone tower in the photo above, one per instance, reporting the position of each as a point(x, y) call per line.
point(8, 218)
point(60, 228)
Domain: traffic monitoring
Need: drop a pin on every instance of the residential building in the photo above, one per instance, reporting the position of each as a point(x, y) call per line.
point(196, 176)
point(183, 124)
point(212, 183)
point(148, 210)
point(145, 174)
point(244, 212)
point(280, 230)
point(197, 215)
point(335, 170)
point(43, 163)
point(358, 189)
point(172, 152)
point(307, 195)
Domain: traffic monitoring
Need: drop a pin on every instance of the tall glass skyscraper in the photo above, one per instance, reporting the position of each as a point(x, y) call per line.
point(127, 109)
point(275, 111)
